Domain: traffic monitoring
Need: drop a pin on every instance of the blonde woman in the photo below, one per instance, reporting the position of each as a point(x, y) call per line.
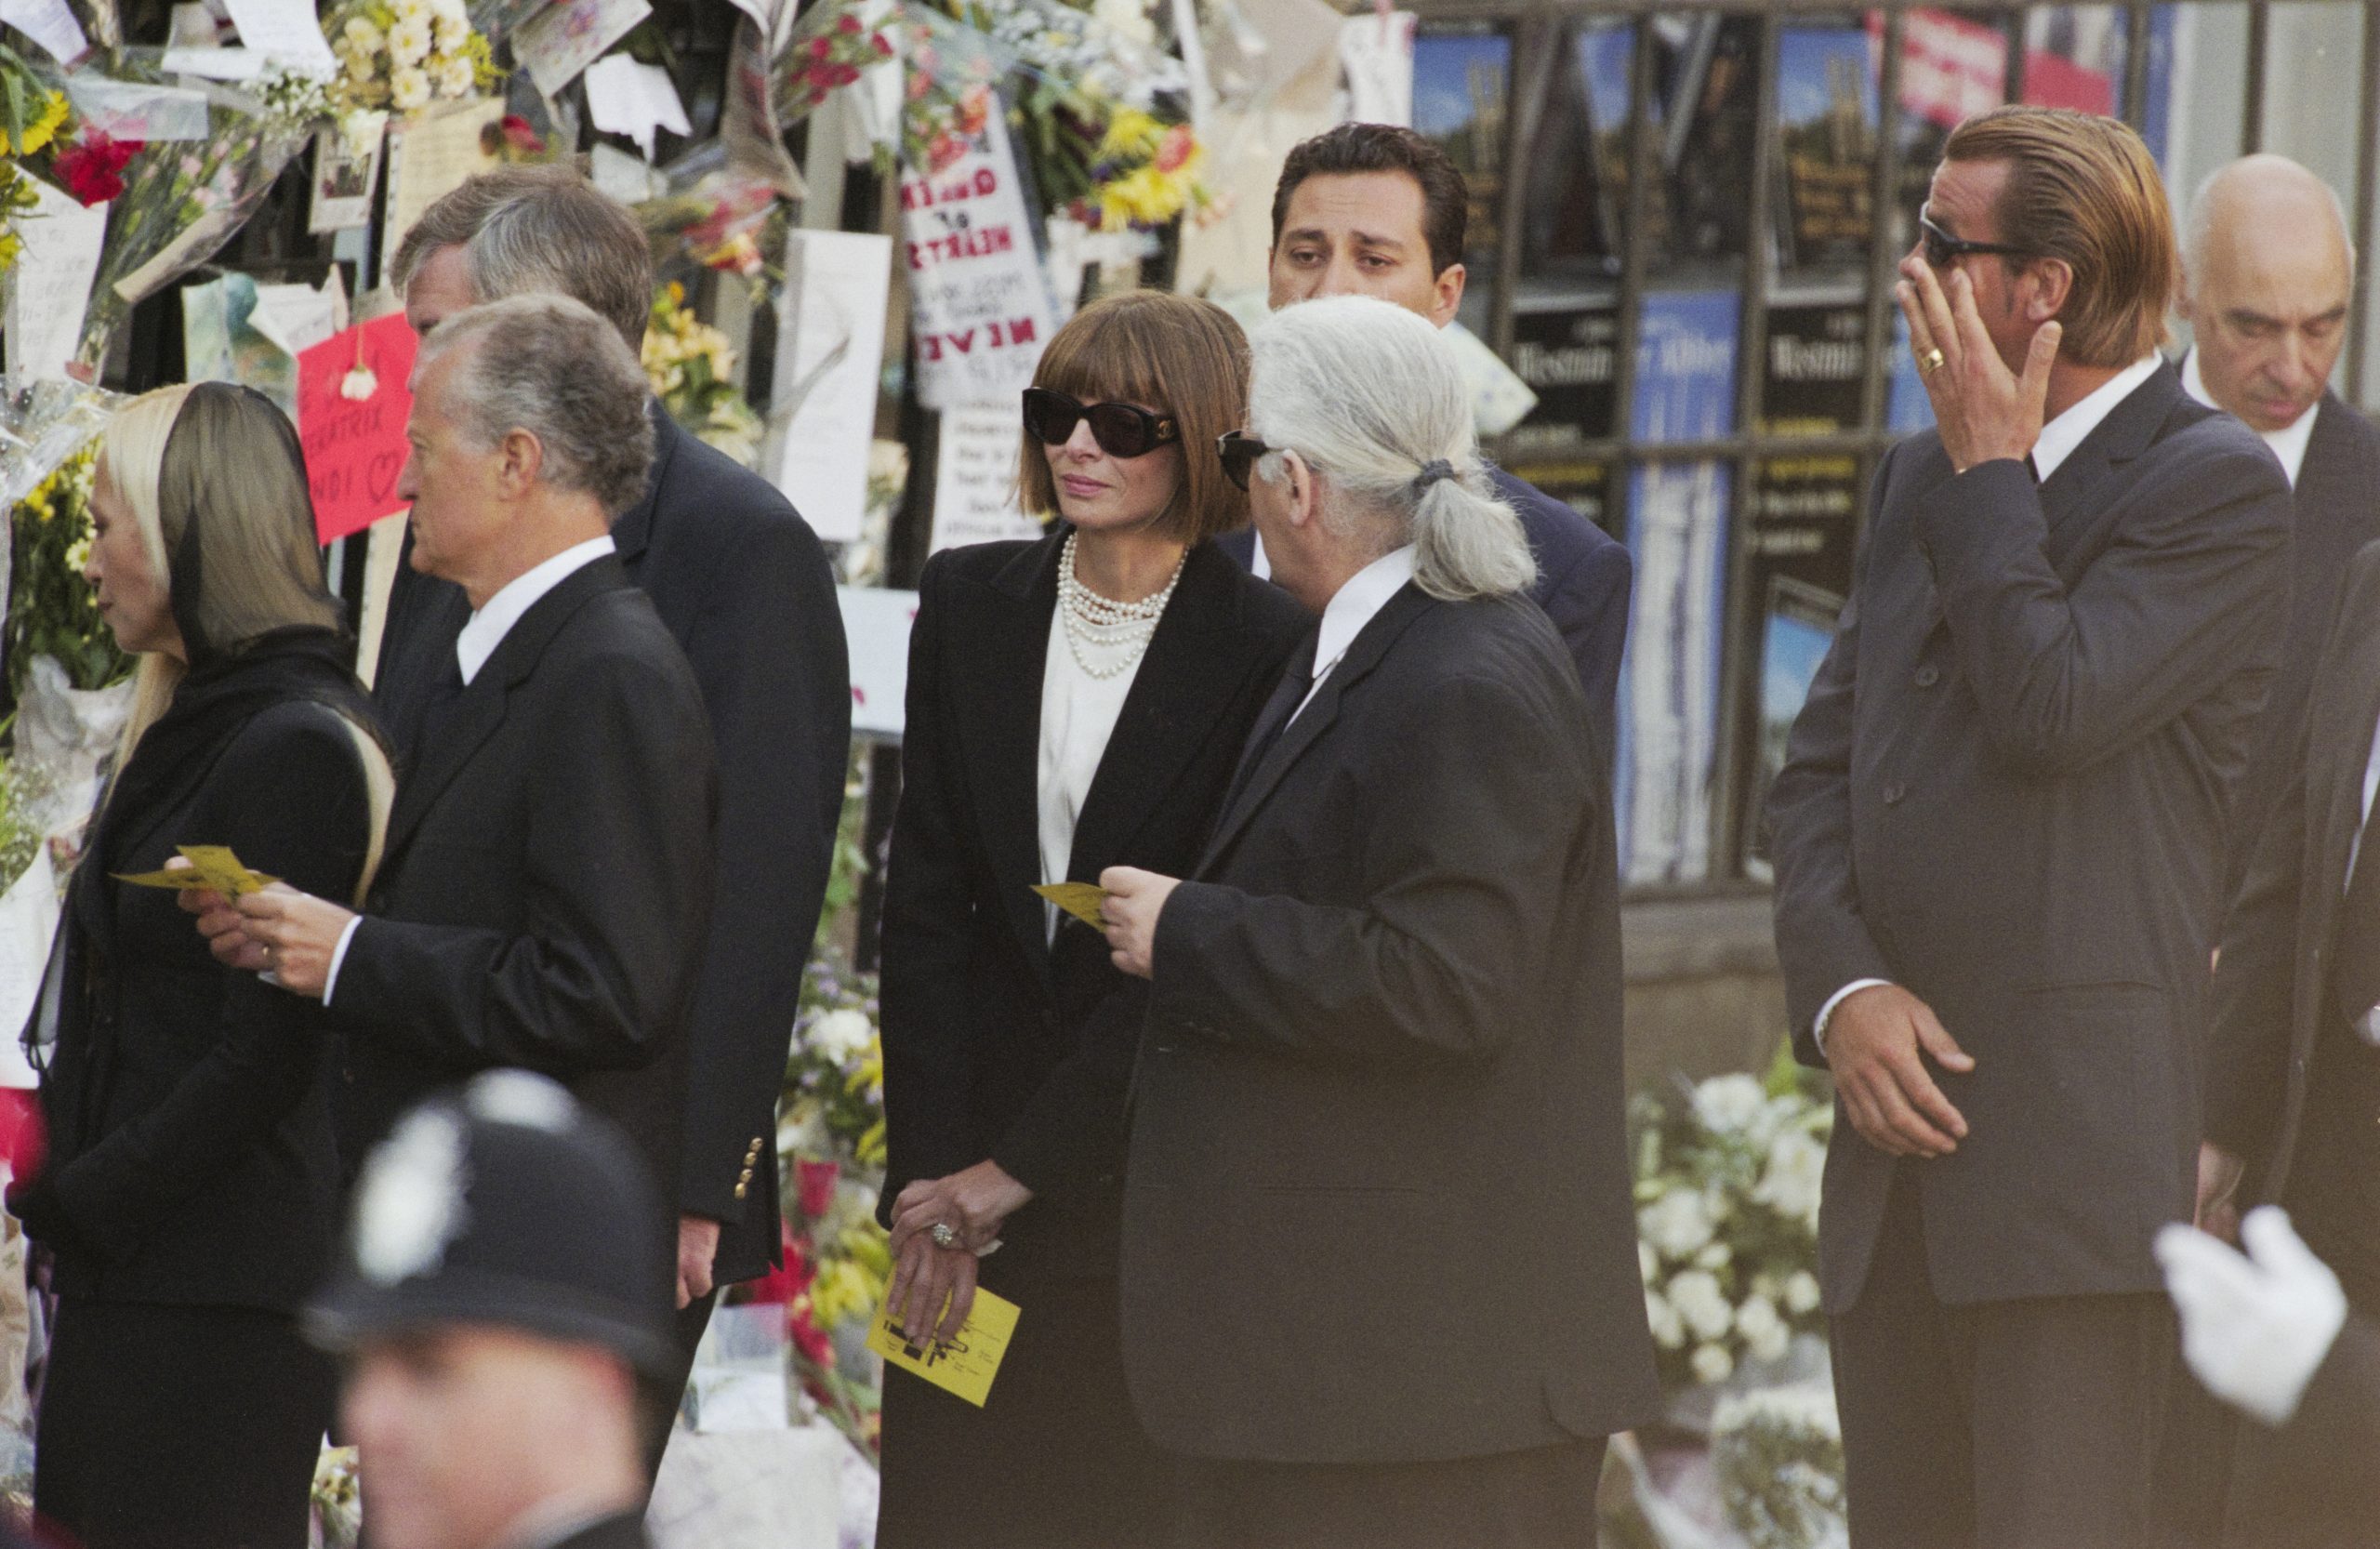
point(188, 1198)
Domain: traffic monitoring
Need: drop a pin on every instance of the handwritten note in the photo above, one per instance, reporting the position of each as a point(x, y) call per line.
point(428, 156)
point(211, 866)
point(284, 29)
point(830, 360)
point(352, 408)
point(975, 478)
point(564, 39)
point(52, 281)
point(1083, 900)
point(967, 1365)
point(626, 97)
point(49, 23)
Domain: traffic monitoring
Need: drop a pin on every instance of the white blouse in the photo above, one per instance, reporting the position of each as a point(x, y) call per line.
point(1079, 715)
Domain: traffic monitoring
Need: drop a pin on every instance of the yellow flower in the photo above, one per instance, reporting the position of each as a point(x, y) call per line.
point(41, 130)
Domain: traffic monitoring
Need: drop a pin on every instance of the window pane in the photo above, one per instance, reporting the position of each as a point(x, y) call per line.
point(1462, 79)
point(1704, 69)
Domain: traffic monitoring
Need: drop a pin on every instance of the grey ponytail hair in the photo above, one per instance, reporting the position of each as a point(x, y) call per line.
point(1372, 397)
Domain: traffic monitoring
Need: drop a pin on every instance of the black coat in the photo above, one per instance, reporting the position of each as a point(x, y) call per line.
point(999, 1044)
point(197, 1166)
point(1583, 578)
point(548, 868)
point(2009, 791)
point(623, 1532)
point(745, 589)
point(2337, 506)
point(1377, 1205)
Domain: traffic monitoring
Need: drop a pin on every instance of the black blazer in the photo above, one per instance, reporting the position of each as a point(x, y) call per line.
point(2337, 505)
point(204, 1172)
point(548, 868)
point(2009, 791)
point(998, 1043)
point(1377, 1208)
point(745, 590)
point(1583, 579)
point(2272, 984)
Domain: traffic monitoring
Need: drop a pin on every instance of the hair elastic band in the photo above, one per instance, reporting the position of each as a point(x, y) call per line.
point(1432, 471)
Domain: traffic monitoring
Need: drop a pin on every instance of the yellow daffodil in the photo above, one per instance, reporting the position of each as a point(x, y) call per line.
point(41, 131)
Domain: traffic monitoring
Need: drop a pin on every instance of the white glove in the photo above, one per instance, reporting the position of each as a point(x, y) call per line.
point(2255, 1329)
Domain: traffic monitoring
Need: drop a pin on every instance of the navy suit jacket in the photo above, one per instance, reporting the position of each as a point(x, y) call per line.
point(1584, 577)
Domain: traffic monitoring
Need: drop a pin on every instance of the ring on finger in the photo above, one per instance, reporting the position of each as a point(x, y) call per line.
point(1930, 361)
point(942, 1234)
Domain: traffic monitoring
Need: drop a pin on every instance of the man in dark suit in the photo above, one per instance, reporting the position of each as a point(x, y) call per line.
point(506, 1287)
point(2000, 831)
point(541, 902)
point(2267, 272)
point(745, 589)
point(1380, 1280)
point(2292, 1081)
point(1370, 210)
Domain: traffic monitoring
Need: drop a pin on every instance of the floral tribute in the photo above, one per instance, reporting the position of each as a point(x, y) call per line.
point(401, 55)
point(1727, 1219)
point(52, 610)
point(692, 367)
point(31, 117)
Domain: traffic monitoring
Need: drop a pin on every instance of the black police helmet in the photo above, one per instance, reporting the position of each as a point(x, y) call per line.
point(505, 1202)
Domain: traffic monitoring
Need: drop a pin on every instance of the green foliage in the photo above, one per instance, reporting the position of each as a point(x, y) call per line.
point(52, 610)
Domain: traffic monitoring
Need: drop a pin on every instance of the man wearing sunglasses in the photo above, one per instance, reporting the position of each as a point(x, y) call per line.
point(1370, 210)
point(2000, 832)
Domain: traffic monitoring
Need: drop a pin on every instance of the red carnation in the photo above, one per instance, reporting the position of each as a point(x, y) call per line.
point(817, 1184)
point(521, 137)
point(882, 45)
point(821, 47)
point(848, 24)
point(92, 167)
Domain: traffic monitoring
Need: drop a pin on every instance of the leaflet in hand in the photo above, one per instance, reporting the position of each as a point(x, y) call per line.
point(212, 866)
point(1080, 899)
point(965, 1365)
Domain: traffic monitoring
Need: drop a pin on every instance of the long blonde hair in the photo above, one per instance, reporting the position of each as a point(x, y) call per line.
point(167, 455)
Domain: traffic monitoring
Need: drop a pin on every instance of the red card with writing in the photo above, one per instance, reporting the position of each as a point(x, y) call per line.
point(352, 408)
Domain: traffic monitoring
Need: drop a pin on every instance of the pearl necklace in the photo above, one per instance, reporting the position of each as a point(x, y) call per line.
point(1104, 624)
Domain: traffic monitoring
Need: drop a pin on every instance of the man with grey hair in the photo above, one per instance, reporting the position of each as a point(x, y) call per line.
point(742, 584)
point(547, 872)
point(1384, 1023)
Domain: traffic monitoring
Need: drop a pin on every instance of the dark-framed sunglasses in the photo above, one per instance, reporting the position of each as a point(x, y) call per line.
point(1942, 249)
point(1239, 451)
point(1121, 429)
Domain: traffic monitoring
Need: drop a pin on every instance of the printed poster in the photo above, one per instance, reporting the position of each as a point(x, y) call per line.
point(980, 304)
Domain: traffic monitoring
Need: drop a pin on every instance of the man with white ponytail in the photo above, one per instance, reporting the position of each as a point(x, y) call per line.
point(1383, 1032)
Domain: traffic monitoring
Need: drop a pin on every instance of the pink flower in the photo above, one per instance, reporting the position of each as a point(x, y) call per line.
point(821, 47)
point(848, 25)
point(1176, 148)
point(882, 44)
point(815, 1181)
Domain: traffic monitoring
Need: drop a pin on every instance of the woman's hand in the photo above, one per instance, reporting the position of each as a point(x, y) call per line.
point(281, 931)
point(924, 1277)
point(974, 1202)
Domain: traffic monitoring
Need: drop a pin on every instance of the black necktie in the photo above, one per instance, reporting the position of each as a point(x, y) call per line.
point(1297, 682)
point(2355, 964)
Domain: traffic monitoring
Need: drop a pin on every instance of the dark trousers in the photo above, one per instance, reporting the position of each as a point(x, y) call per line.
point(2024, 1424)
point(166, 1427)
point(1056, 1458)
point(664, 1392)
point(1543, 1498)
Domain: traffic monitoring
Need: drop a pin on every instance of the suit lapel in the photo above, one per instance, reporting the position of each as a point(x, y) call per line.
point(2335, 775)
point(2072, 491)
point(1370, 645)
point(1180, 694)
point(998, 678)
point(480, 709)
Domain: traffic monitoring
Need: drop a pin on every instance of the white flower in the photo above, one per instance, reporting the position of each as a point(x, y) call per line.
point(1128, 17)
point(1802, 1293)
point(453, 76)
point(1795, 1178)
point(1699, 1300)
point(1711, 1363)
point(411, 11)
point(408, 89)
point(409, 40)
point(1669, 1329)
point(1713, 1256)
point(842, 1035)
point(449, 11)
point(1648, 1264)
point(361, 35)
point(410, 1205)
point(1765, 1334)
point(1725, 1104)
point(453, 33)
point(1678, 1223)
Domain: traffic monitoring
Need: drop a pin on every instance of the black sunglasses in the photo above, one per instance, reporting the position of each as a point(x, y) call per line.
point(1239, 451)
point(1121, 429)
point(1942, 249)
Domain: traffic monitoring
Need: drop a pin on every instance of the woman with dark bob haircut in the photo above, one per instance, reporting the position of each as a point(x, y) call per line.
point(188, 1200)
point(1075, 703)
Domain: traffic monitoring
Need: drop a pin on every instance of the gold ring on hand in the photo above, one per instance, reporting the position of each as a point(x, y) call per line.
point(1930, 361)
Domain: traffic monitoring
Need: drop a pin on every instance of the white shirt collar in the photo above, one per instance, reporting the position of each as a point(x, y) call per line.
point(486, 629)
point(2288, 444)
point(1353, 605)
point(2070, 430)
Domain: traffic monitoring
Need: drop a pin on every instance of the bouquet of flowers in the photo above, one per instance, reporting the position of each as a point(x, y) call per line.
point(1726, 1218)
point(830, 48)
point(692, 367)
point(401, 55)
point(30, 115)
point(1778, 1453)
point(52, 610)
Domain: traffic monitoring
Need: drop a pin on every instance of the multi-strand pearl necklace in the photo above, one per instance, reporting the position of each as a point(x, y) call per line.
point(1101, 624)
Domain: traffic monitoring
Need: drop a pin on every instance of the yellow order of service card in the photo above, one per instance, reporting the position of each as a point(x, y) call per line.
point(211, 866)
point(1080, 899)
point(967, 1365)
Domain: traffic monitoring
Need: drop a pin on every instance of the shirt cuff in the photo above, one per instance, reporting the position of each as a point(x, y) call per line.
point(339, 956)
point(1817, 1027)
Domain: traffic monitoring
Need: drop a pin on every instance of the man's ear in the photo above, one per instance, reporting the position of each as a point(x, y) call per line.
point(1304, 504)
point(2052, 284)
point(1449, 297)
point(523, 458)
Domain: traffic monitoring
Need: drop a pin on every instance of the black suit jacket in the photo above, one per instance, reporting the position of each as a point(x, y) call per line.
point(745, 590)
point(2337, 504)
point(1583, 578)
point(998, 1041)
point(1377, 1205)
point(2272, 984)
point(623, 1532)
point(547, 872)
point(202, 1169)
point(2009, 791)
